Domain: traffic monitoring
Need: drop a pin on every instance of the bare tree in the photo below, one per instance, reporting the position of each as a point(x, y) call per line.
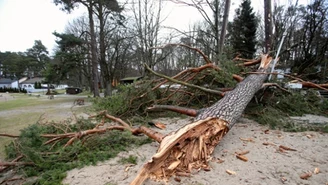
point(224, 25)
point(147, 18)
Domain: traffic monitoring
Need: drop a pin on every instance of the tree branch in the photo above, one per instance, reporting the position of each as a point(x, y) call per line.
point(184, 83)
point(181, 110)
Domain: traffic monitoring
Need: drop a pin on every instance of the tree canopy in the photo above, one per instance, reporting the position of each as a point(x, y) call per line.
point(243, 30)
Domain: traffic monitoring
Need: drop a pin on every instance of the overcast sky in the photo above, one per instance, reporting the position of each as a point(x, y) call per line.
point(24, 21)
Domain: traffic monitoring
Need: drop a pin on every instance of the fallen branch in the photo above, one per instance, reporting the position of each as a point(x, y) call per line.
point(181, 110)
point(15, 160)
point(6, 164)
point(184, 83)
point(9, 135)
point(73, 136)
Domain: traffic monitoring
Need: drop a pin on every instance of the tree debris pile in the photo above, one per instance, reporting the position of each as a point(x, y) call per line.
point(36, 162)
point(194, 87)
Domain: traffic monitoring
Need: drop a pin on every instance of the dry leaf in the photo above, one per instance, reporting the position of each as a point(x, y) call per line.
point(220, 160)
point(230, 172)
point(242, 152)
point(160, 125)
point(266, 131)
point(316, 170)
point(286, 148)
point(242, 157)
point(184, 174)
point(305, 176)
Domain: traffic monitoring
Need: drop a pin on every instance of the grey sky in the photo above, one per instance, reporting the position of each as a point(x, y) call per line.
point(23, 21)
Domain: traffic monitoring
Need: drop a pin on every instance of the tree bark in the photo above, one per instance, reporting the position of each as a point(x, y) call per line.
point(93, 53)
point(268, 25)
point(224, 25)
point(191, 146)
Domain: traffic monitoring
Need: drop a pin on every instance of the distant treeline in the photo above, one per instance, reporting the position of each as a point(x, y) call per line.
point(12, 90)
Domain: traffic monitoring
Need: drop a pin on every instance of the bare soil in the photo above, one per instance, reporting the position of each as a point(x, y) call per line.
point(267, 162)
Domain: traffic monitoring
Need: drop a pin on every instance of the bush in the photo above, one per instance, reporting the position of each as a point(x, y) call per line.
point(12, 90)
point(276, 110)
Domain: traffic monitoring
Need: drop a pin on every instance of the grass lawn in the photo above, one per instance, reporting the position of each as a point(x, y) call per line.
point(20, 110)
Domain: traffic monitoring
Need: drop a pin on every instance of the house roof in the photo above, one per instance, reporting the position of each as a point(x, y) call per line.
point(6, 81)
point(33, 80)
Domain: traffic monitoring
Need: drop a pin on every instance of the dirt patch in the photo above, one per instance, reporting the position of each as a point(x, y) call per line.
point(267, 164)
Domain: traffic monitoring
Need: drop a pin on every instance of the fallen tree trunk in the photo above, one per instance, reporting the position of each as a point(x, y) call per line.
point(191, 146)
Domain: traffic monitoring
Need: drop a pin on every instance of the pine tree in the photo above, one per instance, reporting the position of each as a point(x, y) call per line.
point(243, 30)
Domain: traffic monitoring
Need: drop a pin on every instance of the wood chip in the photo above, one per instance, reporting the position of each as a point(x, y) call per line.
point(184, 174)
point(316, 170)
point(267, 143)
point(127, 167)
point(207, 169)
point(287, 148)
point(247, 139)
point(160, 125)
point(283, 179)
point(220, 161)
point(242, 152)
point(177, 179)
point(305, 176)
point(230, 172)
point(242, 157)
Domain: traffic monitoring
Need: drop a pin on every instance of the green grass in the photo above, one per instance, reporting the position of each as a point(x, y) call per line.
point(24, 110)
point(21, 101)
point(129, 160)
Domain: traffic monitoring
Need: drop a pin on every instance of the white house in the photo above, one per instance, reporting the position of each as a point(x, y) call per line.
point(9, 83)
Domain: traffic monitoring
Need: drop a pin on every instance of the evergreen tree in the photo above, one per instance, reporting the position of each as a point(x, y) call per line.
point(243, 30)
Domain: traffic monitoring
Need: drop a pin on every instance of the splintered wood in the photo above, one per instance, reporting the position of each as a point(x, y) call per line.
point(184, 150)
